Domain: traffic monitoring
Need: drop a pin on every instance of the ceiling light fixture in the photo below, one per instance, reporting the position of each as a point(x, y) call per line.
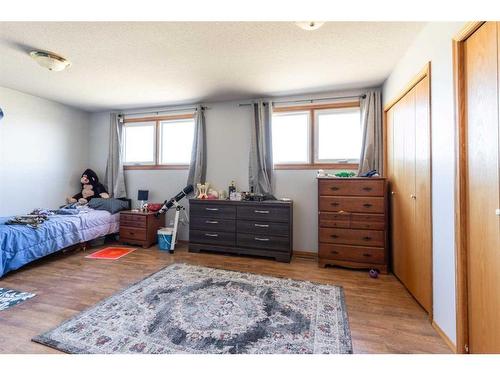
point(50, 61)
point(309, 25)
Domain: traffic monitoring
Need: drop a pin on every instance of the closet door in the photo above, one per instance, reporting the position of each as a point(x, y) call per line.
point(483, 224)
point(409, 177)
point(421, 197)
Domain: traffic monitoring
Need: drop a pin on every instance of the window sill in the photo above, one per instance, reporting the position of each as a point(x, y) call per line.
point(336, 166)
point(155, 167)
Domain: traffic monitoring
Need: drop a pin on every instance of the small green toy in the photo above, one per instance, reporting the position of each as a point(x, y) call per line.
point(345, 174)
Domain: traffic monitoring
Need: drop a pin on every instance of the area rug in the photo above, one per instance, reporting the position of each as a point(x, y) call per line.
point(111, 253)
point(191, 309)
point(9, 298)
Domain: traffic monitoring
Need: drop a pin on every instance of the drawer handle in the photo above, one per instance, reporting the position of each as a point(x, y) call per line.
point(334, 188)
point(367, 205)
point(262, 225)
point(261, 239)
point(261, 212)
point(367, 255)
point(367, 238)
point(334, 203)
point(334, 252)
point(367, 188)
point(211, 222)
point(211, 235)
point(211, 209)
point(334, 236)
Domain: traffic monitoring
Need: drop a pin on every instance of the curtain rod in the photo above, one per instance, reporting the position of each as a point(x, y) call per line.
point(162, 111)
point(311, 100)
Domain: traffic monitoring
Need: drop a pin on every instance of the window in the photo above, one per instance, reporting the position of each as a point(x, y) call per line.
point(290, 132)
point(338, 135)
point(176, 141)
point(317, 136)
point(158, 142)
point(139, 139)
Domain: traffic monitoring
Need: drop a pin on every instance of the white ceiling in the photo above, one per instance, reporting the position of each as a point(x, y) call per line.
point(118, 65)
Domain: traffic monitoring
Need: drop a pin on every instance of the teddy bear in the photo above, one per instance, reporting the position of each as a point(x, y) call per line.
point(91, 188)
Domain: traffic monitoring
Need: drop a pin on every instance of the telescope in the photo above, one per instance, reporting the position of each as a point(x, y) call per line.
point(169, 203)
point(174, 202)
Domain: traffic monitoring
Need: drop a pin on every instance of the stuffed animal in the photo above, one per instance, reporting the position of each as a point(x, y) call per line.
point(91, 188)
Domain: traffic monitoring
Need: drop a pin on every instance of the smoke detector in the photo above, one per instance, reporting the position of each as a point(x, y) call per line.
point(309, 25)
point(50, 60)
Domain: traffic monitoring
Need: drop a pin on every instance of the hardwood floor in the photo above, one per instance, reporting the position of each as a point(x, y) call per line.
point(384, 318)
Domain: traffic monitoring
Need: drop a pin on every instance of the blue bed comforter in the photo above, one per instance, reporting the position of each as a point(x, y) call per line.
point(20, 244)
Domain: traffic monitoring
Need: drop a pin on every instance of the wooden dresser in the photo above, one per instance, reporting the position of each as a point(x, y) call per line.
point(352, 222)
point(241, 227)
point(140, 228)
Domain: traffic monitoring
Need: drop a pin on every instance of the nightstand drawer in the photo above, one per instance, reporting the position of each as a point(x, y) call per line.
point(130, 233)
point(352, 236)
point(136, 221)
point(263, 213)
point(354, 187)
point(352, 253)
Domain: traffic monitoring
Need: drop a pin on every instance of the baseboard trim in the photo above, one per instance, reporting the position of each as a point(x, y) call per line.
point(305, 254)
point(445, 337)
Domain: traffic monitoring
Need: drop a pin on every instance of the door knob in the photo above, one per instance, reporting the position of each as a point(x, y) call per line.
point(497, 211)
point(393, 193)
point(413, 196)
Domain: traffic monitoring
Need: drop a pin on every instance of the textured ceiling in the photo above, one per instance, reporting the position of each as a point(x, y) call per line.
point(132, 64)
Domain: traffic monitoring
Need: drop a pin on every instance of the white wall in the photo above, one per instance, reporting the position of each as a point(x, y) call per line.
point(43, 151)
point(434, 44)
point(228, 144)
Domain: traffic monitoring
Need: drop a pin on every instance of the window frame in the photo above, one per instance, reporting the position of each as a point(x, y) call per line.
point(309, 133)
point(313, 163)
point(157, 142)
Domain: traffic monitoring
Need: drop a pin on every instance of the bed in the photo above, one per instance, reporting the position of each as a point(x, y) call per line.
point(20, 244)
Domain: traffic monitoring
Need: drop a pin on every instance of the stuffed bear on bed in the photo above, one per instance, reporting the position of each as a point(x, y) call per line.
point(91, 188)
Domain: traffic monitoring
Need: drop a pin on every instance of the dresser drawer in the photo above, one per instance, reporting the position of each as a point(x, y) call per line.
point(352, 236)
point(335, 220)
point(212, 237)
point(131, 233)
point(354, 187)
point(263, 227)
point(352, 204)
point(263, 213)
point(359, 254)
point(133, 220)
point(218, 211)
point(212, 224)
point(368, 221)
point(262, 241)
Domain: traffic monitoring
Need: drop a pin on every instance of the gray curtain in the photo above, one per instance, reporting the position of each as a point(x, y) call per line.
point(261, 156)
point(115, 178)
point(371, 121)
point(198, 165)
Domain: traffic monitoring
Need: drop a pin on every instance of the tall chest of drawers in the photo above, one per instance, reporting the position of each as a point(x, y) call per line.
point(352, 222)
point(241, 227)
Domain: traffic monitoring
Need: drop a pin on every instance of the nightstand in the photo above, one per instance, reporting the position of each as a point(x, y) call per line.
point(139, 228)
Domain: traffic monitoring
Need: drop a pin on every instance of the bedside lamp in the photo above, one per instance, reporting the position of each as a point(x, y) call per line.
point(142, 196)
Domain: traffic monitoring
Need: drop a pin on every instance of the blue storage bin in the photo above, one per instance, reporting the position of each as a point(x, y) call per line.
point(165, 238)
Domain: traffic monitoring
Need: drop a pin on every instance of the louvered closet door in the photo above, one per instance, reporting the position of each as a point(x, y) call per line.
point(483, 243)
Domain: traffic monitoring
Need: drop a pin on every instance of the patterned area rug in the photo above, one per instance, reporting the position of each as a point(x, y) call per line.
point(9, 298)
point(191, 309)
